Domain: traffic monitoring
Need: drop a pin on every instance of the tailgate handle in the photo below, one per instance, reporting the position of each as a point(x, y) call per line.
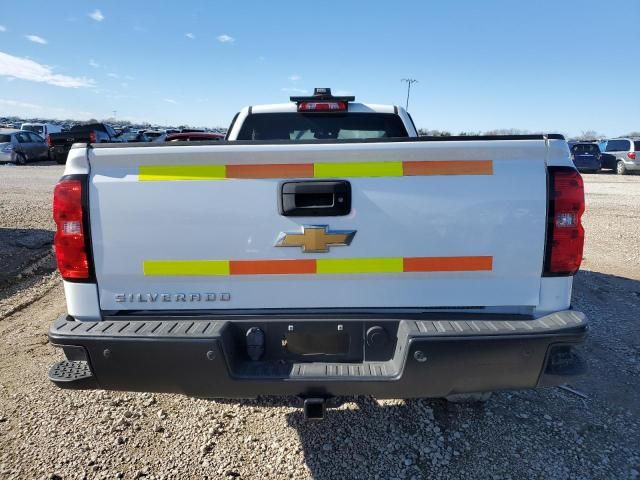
point(316, 198)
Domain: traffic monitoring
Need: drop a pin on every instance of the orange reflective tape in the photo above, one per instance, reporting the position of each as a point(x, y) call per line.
point(448, 167)
point(447, 264)
point(276, 170)
point(271, 267)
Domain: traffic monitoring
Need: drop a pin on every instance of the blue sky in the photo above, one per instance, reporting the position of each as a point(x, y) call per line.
point(539, 65)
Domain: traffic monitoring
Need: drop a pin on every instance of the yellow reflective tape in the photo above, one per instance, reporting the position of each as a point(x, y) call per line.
point(185, 267)
point(359, 265)
point(358, 169)
point(150, 173)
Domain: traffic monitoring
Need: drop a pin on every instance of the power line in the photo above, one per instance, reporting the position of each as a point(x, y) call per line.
point(410, 81)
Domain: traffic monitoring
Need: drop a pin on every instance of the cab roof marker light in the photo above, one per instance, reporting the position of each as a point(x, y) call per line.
point(321, 96)
point(322, 106)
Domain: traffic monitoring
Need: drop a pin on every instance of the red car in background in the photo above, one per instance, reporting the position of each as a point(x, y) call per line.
point(193, 137)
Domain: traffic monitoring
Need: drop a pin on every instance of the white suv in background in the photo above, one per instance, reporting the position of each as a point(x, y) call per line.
point(42, 129)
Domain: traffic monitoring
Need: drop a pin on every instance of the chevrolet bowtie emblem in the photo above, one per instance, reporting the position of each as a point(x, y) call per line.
point(316, 238)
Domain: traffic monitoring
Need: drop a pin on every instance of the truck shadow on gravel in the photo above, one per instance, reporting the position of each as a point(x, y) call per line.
point(543, 433)
point(21, 248)
point(532, 434)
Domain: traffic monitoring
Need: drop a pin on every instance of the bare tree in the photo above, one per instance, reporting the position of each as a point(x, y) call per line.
point(423, 132)
point(507, 131)
point(589, 135)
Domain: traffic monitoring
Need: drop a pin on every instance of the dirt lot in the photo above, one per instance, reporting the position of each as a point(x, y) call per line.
point(548, 433)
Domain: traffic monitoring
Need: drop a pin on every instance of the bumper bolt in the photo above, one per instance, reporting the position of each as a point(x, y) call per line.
point(420, 356)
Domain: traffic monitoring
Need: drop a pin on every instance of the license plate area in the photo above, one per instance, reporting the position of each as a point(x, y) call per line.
point(314, 341)
point(313, 344)
point(296, 341)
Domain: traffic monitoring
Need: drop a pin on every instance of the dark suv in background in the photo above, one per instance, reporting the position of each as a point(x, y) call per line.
point(586, 156)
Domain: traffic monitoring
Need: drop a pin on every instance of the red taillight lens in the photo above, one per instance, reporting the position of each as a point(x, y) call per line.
point(92, 137)
point(565, 235)
point(322, 106)
point(48, 140)
point(631, 155)
point(69, 242)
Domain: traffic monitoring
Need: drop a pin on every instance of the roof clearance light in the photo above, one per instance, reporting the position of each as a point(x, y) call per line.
point(322, 106)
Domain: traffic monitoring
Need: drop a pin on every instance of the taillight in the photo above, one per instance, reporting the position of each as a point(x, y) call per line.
point(48, 140)
point(631, 155)
point(322, 106)
point(69, 242)
point(92, 137)
point(565, 235)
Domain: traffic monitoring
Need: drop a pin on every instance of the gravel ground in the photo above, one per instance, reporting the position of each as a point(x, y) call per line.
point(546, 433)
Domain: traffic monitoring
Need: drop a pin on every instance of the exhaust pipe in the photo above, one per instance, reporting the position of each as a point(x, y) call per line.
point(314, 408)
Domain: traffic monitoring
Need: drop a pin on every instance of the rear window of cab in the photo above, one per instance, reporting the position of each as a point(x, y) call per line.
point(316, 126)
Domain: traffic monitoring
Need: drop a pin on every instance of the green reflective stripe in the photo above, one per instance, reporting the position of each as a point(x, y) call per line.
point(358, 169)
point(185, 267)
point(359, 265)
point(147, 173)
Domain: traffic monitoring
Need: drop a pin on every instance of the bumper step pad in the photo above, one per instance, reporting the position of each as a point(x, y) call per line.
point(74, 374)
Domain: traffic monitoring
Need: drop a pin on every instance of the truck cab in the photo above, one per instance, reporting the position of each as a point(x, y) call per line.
point(321, 116)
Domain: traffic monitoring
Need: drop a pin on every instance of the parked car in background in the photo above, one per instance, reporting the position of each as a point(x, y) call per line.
point(622, 155)
point(153, 135)
point(134, 136)
point(60, 143)
point(20, 147)
point(586, 156)
point(193, 137)
point(42, 129)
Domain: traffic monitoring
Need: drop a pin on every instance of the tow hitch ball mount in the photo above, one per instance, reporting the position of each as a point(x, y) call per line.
point(314, 408)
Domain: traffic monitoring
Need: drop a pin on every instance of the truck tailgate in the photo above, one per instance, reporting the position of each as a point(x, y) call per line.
point(433, 224)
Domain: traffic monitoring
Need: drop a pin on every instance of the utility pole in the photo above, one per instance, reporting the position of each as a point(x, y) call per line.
point(114, 114)
point(410, 81)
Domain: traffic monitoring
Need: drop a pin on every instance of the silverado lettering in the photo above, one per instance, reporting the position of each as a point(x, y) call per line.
point(171, 297)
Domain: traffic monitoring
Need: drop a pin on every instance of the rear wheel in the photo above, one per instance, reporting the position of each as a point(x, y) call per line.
point(620, 168)
point(60, 160)
point(21, 159)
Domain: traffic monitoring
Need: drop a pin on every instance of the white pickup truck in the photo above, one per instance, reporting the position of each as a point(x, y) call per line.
point(322, 250)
